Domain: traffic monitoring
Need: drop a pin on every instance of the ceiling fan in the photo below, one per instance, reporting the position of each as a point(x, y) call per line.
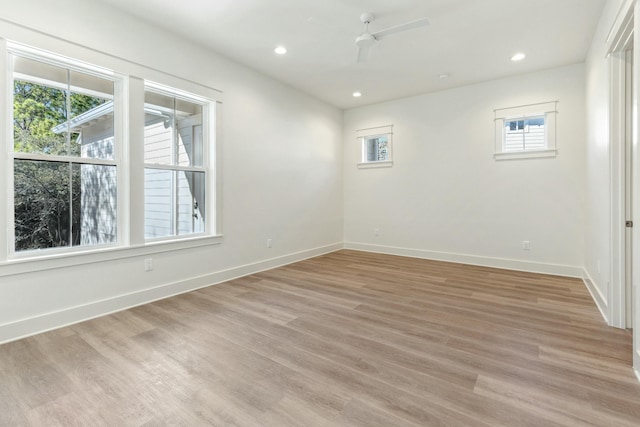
point(365, 40)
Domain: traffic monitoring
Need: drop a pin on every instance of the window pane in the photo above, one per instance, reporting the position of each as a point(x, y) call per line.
point(98, 203)
point(61, 204)
point(46, 97)
point(514, 138)
point(525, 135)
point(42, 211)
point(91, 112)
point(158, 203)
point(174, 203)
point(189, 133)
point(37, 110)
point(190, 202)
point(377, 149)
point(534, 134)
point(163, 145)
point(158, 135)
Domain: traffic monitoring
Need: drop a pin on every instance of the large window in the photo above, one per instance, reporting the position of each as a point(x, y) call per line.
point(64, 163)
point(100, 161)
point(175, 165)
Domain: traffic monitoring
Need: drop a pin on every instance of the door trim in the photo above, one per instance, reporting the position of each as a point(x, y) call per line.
point(619, 43)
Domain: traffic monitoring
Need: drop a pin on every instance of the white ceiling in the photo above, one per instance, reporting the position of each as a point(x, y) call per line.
point(472, 40)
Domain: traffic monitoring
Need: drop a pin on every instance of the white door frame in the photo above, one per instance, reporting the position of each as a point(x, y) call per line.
point(624, 33)
point(620, 39)
point(635, 119)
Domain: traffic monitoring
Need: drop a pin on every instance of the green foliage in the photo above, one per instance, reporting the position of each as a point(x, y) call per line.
point(46, 194)
point(47, 204)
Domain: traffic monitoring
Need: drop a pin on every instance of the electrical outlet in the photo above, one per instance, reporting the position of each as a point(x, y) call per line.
point(269, 241)
point(148, 264)
point(376, 232)
point(526, 245)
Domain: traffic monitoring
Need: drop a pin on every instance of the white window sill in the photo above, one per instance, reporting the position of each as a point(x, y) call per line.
point(369, 165)
point(514, 155)
point(38, 261)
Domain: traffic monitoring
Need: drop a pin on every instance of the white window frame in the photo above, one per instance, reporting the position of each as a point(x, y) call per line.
point(131, 242)
point(208, 107)
point(16, 50)
point(363, 135)
point(546, 110)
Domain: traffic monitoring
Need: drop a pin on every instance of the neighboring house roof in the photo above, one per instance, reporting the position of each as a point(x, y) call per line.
point(94, 115)
point(87, 118)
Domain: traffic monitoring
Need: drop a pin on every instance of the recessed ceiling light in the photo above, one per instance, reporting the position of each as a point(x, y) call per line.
point(357, 94)
point(280, 50)
point(444, 76)
point(518, 57)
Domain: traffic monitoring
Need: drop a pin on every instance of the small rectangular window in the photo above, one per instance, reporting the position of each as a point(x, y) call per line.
point(526, 131)
point(376, 146)
point(524, 134)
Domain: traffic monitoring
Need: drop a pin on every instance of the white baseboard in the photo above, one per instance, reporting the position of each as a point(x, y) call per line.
point(635, 371)
point(596, 295)
point(54, 320)
point(507, 264)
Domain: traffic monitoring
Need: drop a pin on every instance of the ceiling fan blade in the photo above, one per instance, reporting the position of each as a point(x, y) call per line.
point(422, 22)
point(363, 54)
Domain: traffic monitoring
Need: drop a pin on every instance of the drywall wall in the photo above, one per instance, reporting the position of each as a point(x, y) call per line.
point(446, 197)
point(598, 170)
point(281, 178)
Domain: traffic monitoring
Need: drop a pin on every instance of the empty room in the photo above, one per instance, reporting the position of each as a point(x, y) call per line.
point(319, 213)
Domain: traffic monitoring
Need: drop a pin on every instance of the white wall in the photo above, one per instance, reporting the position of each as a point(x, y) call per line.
point(447, 198)
point(282, 175)
point(289, 174)
point(597, 213)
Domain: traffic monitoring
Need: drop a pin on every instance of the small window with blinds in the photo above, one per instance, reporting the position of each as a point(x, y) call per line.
point(526, 131)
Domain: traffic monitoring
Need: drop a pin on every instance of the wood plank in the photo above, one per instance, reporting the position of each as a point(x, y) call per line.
point(349, 338)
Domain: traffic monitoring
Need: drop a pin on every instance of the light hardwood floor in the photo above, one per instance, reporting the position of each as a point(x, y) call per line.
point(348, 338)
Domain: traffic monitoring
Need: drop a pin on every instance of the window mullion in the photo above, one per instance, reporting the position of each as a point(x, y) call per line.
point(175, 167)
point(68, 153)
point(70, 237)
point(136, 164)
point(176, 181)
point(62, 159)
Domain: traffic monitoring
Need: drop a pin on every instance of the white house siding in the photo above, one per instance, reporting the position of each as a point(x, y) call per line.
point(165, 206)
point(98, 200)
point(533, 138)
point(158, 183)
